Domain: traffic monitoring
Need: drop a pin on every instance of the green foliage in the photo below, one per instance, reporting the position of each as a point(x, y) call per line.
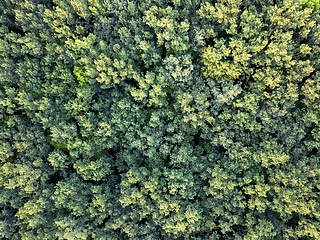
point(313, 4)
point(79, 72)
point(159, 119)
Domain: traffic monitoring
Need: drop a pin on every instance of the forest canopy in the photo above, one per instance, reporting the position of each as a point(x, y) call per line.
point(159, 119)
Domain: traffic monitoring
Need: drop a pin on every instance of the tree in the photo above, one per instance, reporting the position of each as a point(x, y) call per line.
point(159, 119)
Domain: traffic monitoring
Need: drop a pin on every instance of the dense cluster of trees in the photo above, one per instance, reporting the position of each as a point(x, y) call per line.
point(159, 119)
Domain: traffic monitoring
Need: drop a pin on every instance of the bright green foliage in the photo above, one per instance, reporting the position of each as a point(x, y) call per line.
point(159, 119)
point(80, 75)
point(313, 4)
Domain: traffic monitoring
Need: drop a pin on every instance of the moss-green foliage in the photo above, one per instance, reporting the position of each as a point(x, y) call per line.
point(159, 119)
